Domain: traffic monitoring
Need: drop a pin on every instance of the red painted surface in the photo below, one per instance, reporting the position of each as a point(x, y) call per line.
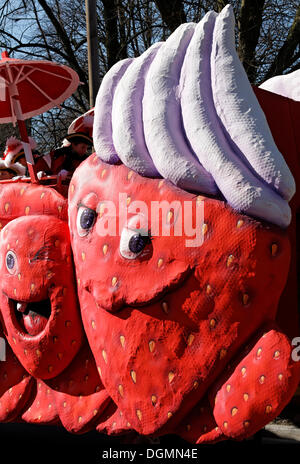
point(283, 117)
point(163, 327)
point(180, 339)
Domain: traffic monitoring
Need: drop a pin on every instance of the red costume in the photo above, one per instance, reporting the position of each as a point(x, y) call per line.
point(65, 158)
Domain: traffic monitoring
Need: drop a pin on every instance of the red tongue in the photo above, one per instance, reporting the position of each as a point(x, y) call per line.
point(34, 323)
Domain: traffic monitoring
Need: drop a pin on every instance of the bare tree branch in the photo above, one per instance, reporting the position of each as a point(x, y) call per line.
point(249, 25)
point(41, 29)
point(172, 13)
point(122, 30)
point(112, 43)
point(287, 52)
point(65, 40)
point(219, 5)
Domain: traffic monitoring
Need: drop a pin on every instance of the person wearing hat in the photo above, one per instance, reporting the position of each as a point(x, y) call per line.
point(13, 163)
point(64, 160)
point(14, 155)
point(10, 172)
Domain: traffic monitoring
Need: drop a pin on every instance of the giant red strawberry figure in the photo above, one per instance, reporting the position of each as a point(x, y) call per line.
point(38, 299)
point(178, 230)
point(164, 320)
point(183, 332)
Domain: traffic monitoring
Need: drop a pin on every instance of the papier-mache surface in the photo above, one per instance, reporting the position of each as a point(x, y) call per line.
point(185, 111)
point(287, 85)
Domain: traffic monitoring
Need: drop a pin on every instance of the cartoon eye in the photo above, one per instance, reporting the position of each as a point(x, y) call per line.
point(85, 220)
point(132, 243)
point(11, 261)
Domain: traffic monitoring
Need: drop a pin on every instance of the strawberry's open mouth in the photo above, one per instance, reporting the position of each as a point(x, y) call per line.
point(32, 317)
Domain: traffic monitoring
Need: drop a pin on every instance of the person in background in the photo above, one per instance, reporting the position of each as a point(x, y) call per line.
point(13, 163)
point(14, 151)
point(64, 160)
point(8, 173)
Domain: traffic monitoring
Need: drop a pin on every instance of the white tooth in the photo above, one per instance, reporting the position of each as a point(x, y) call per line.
point(21, 307)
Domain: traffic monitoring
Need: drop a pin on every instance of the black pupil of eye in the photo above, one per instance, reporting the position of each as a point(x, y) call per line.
point(87, 219)
point(138, 242)
point(10, 261)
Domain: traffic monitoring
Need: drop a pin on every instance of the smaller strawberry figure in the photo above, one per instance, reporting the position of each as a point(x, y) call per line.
point(40, 316)
point(38, 302)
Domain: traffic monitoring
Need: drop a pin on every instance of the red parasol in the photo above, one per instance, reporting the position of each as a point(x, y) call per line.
point(29, 88)
point(83, 123)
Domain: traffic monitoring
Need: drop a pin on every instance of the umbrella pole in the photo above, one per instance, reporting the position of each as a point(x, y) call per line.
point(24, 136)
point(27, 151)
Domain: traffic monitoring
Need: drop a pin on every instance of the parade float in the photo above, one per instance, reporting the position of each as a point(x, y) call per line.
point(129, 322)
